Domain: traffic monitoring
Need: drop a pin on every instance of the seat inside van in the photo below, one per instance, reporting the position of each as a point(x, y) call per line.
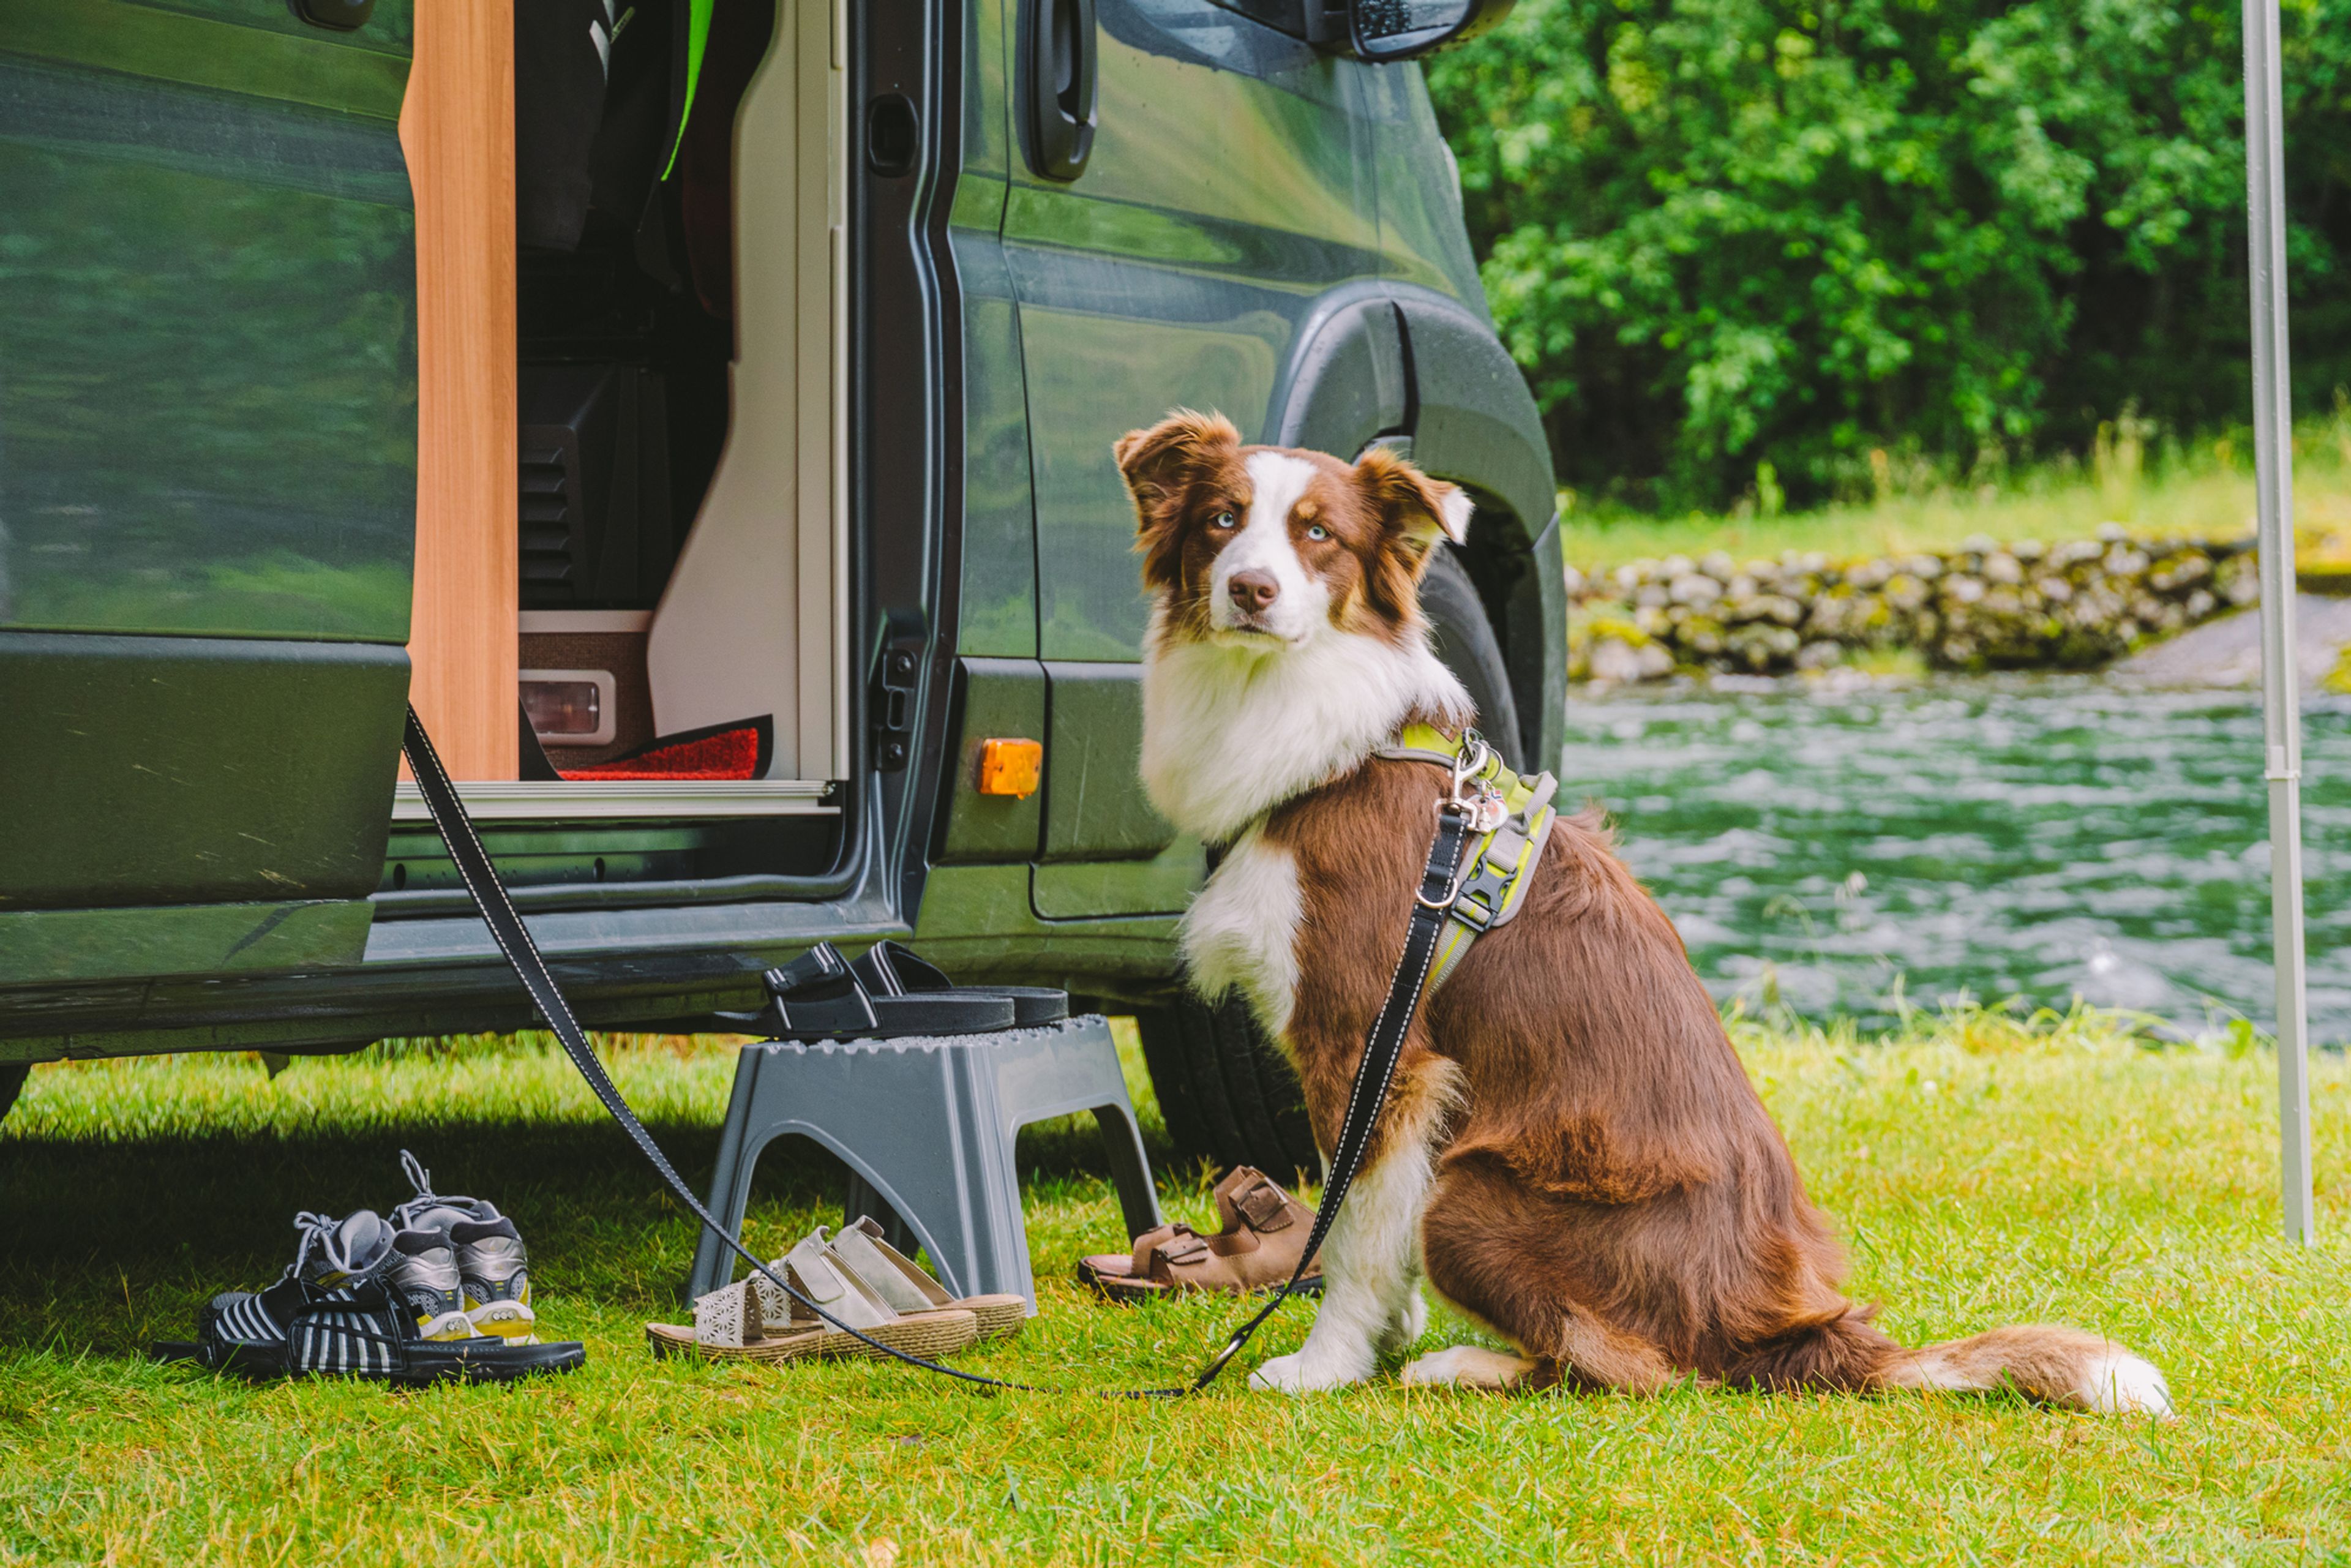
point(681, 608)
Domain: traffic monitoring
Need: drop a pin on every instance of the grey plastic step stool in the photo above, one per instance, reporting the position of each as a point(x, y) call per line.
point(926, 1126)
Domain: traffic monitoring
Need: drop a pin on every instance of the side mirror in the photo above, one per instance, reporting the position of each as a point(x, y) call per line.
point(1382, 30)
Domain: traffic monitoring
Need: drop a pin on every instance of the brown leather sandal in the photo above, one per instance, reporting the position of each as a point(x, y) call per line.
point(1264, 1233)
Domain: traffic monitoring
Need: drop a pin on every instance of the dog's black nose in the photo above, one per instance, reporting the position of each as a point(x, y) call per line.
point(1252, 591)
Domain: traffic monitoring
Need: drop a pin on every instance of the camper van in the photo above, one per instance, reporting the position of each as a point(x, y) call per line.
point(703, 412)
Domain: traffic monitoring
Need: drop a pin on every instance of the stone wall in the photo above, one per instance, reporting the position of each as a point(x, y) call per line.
point(1984, 606)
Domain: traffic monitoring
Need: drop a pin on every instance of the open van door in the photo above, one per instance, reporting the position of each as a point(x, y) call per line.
point(208, 443)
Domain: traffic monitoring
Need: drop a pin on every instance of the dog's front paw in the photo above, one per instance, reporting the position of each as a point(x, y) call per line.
point(1298, 1374)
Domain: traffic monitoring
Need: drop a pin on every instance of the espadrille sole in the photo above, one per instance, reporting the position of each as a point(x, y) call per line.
point(1001, 1317)
point(929, 1335)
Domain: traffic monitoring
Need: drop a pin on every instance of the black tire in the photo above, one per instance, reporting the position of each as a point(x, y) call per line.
point(12, 1083)
point(1465, 640)
point(1225, 1090)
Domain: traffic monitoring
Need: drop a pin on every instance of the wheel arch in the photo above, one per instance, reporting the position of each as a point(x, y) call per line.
point(1377, 360)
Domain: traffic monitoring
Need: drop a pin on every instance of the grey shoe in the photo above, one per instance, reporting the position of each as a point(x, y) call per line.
point(496, 1271)
point(428, 1210)
point(492, 1266)
point(423, 1273)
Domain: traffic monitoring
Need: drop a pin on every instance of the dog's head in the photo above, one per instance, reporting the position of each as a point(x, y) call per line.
point(1269, 547)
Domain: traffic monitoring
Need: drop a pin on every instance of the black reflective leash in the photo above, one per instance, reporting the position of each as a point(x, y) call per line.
point(1439, 883)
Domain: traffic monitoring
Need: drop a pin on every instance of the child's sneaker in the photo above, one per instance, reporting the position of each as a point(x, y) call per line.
point(423, 1273)
point(428, 1210)
point(497, 1274)
point(492, 1264)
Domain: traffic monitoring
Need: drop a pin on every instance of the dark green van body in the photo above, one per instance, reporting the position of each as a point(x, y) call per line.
point(207, 487)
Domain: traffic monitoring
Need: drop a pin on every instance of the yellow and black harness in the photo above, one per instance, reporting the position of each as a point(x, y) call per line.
point(1511, 817)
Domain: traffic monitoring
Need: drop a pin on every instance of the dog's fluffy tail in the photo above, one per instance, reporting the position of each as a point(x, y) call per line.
point(2061, 1365)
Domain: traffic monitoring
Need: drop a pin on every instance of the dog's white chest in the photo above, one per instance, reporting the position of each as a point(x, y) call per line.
point(1242, 931)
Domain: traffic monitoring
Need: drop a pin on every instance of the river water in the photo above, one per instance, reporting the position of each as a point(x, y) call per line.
point(1835, 848)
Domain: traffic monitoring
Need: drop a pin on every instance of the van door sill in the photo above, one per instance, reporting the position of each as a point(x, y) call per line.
point(569, 800)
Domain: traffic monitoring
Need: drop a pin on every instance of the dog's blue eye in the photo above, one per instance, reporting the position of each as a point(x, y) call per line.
point(1221, 521)
point(1318, 532)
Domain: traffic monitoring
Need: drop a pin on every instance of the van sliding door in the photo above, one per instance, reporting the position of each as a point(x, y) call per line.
point(1227, 187)
point(207, 483)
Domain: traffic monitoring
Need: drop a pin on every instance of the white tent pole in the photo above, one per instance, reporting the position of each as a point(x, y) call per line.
point(2280, 682)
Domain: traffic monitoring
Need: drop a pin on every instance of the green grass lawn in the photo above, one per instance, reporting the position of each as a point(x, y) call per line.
point(2205, 491)
point(1982, 1174)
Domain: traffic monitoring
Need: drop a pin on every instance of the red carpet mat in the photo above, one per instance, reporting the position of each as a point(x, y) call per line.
point(723, 751)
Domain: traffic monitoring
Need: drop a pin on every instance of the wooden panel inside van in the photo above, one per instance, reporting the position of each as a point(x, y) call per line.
point(456, 127)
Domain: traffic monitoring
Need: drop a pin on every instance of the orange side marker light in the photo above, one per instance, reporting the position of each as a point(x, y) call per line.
point(1010, 767)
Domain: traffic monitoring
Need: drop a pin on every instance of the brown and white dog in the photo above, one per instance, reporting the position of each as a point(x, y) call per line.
point(1572, 1152)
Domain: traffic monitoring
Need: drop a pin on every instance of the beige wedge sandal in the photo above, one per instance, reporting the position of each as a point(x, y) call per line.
point(750, 1320)
point(901, 1282)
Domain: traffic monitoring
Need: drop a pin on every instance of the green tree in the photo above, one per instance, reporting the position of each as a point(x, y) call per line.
point(1718, 232)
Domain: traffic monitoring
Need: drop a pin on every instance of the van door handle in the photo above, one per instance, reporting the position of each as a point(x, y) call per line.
point(1063, 71)
point(336, 15)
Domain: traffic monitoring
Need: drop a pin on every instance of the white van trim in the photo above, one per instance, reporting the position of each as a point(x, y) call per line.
point(575, 800)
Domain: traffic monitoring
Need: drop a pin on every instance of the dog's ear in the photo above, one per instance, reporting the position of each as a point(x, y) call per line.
point(1160, 464)
point(1415, 510)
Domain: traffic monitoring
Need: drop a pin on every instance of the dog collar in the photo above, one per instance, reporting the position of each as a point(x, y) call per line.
point(1513, 816)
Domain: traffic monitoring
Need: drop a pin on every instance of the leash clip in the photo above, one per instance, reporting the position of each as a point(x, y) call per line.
point(1473, 795)
point(1468, 762)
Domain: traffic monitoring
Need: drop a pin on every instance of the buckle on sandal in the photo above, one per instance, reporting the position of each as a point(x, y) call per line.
point(1262, 1207)
point(1183, 1247)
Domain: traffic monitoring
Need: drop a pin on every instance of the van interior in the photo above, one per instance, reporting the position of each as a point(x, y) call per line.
point(680, 606)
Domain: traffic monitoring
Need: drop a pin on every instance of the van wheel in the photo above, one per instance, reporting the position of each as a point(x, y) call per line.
point(12, 1083)
point(1465, 642)
point(1225, 1090)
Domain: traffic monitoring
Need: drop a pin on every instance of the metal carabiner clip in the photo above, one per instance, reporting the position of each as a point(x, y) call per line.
point(1472, 795)
point(1468, 763)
